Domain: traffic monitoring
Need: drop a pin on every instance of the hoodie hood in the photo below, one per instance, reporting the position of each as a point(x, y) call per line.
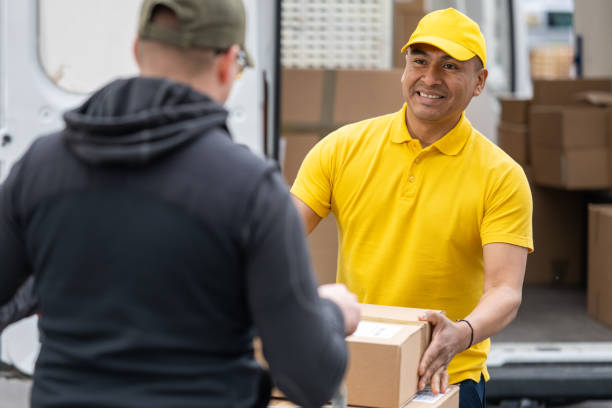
point(134, 121)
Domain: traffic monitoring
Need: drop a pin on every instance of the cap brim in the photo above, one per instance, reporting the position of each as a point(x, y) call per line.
point(457, 51)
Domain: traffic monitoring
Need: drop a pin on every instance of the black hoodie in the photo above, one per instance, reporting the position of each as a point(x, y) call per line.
point(158, 247)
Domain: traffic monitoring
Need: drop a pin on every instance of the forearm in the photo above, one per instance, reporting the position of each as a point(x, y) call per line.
point(302, 334)
point(24, 304)
point(13, 258)
point(497, 308)
point(504, 269)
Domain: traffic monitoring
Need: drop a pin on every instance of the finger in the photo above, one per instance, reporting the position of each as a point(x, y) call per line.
point(431, 353)
point(425, 378)
point(435, 383)
point(437, 365)
point(425, 316)
point(425, 370)
point(427, 358)
point(437, 380)
point(444, 381)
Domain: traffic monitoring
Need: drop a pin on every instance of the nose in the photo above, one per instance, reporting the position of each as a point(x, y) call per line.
point(431, 75)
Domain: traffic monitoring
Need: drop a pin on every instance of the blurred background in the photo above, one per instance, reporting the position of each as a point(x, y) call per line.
point(321, 64)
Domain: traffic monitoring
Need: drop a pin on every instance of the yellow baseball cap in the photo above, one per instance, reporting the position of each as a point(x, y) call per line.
point(453, 32)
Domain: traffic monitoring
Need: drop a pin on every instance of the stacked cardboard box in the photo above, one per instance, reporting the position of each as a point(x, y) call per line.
point(319, 101)
point(558, 231)
point(569, 140)
point(385, 352)
point(549, 136)
point(569, 146)
point(316, 102)
point(599, 283)
point(406, 16)
point(512, 132)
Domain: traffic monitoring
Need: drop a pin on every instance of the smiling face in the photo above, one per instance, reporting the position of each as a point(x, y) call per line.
point(437, 87)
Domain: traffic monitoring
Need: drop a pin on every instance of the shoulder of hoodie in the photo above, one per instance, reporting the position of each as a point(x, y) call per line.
point(237, 160)
point(49, 152)
point(43, 152)
point(29, 175)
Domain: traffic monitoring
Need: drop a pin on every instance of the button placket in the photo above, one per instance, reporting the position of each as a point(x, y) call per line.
point(410, 185)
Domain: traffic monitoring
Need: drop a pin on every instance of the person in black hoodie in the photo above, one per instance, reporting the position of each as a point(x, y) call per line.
point(159, 247)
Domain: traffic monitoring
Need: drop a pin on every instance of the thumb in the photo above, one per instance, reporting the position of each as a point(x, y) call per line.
point(432, 317)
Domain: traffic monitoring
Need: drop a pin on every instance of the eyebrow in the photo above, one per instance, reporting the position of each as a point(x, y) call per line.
point(419, 51)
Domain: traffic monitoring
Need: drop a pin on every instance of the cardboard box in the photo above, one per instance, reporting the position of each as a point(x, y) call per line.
point(599, 280)
point(294, 148)
point(301, 95)
point(514, 140)
point(609, 125)
point(596, 98)
point(320, 101)
point(409, 6)
point(559, 235)
point(406, 16)
point(569, 146)
point(385, 353)
point(568, 127)
point(563, 92)
point(573, 169)
point(365, 94)
point(450, 399)
point(514, 110)
point(422, 400)
point(323, 241)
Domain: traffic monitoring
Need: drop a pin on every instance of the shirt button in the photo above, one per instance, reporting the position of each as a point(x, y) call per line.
point(417, 160)
point(412, 179)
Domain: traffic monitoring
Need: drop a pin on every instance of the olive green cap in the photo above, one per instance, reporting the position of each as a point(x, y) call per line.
point(214, 24)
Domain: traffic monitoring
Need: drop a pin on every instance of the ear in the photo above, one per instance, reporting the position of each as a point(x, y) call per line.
point(136, 53)
point(227, 66)
point(481, 79)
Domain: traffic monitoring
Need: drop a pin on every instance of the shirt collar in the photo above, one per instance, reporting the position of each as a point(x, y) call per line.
point(450, 144)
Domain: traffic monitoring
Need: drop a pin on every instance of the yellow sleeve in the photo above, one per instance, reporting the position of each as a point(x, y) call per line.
point(314, 182)
point(508, 210)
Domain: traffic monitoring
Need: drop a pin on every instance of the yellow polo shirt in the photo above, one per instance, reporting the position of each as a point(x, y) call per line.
point(412, 222)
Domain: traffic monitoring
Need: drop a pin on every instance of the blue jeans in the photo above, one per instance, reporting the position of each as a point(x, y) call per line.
point(472, 394)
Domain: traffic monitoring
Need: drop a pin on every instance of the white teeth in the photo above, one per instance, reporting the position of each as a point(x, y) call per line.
point(429, 96)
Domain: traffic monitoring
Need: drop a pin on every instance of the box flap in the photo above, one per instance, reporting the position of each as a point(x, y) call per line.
point(562, 92)
point(393, 313)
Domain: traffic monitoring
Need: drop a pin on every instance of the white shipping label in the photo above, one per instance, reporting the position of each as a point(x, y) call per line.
point(427, 396)
point(377, 330)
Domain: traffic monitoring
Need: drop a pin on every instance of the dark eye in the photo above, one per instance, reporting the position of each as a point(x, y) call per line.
point(419, 61)
point(448, 65)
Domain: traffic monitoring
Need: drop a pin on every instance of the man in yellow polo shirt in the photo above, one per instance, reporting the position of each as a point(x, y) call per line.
point(430, 213)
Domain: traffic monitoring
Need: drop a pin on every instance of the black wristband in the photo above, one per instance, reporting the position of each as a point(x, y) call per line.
point(471, 331)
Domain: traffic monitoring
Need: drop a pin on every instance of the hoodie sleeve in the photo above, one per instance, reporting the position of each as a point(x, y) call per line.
point(22, 305)
point(302, 335)
point(13, 259)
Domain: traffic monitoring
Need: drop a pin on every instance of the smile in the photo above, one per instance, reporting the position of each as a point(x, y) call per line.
point(429, 95)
